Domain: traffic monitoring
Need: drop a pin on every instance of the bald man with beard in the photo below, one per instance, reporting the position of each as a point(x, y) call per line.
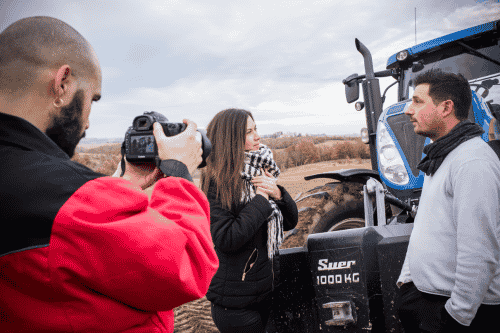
point(79, 251)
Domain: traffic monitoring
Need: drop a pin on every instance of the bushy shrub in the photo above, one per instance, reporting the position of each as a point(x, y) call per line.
point(280, 157)
point(294, 157)
point(102, 163)
point(109, 165)
point(363, 150)
point(346, 150)
point(285, 142)
point(305, 152)
point(308, 150)
point(107, 149)
point(280, 143)
point(327, 153)
point(85, 159)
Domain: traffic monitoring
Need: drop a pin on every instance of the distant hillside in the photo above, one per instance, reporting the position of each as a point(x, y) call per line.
point(88, 143)
point(99, 141)
point(112, 149)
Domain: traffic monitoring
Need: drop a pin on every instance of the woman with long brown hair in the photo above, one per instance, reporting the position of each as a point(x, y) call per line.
point(248, 214)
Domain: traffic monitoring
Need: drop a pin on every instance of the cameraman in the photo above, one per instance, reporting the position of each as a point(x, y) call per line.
point(81, 252)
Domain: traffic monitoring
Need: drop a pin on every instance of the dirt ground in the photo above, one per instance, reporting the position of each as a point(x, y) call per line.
point(293, 179)
point(196, 316)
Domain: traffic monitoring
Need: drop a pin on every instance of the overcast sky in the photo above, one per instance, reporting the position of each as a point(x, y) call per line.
point(282, 60)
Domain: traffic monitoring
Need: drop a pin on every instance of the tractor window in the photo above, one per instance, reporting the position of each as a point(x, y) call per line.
point(488, 87)
point(411, 89)
point(483, 74)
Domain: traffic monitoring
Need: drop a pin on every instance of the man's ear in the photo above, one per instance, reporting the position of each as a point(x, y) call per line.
point(62, 82)
point(448, 108)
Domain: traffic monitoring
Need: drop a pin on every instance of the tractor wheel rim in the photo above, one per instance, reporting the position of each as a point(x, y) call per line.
point(350, 223)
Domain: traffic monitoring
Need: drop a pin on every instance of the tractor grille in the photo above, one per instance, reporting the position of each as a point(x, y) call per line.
point(411, 143)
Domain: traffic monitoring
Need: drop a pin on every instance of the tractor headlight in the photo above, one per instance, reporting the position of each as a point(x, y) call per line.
point(389, 152)
point(390, 161)
point(359, 106)
point(402, 55)
point(365, 137)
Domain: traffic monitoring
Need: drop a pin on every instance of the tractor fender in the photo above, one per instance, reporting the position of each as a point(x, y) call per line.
point(347, 175)
point(329, 207)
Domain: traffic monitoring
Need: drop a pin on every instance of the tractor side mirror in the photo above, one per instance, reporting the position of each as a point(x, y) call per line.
point(351, 88)
point(417, 66)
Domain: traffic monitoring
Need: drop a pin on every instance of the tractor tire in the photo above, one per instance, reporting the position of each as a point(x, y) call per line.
point(194, 317)
point(331, 207)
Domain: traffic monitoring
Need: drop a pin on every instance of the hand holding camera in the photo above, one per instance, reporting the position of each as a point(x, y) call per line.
point(184, 147)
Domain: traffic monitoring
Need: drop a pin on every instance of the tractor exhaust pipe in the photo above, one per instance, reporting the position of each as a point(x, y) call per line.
point(367, 56)
point(373, 100)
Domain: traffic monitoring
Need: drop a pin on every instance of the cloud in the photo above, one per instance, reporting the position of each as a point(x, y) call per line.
point(282, 60)
point(284, 39)
point(464, 17)
point(138, 54)
point(277, 106)
point(110, 73)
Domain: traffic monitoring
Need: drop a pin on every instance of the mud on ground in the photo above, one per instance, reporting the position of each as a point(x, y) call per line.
point(194, 317)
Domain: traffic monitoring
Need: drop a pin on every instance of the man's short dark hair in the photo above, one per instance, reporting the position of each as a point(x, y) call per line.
point(444, 86)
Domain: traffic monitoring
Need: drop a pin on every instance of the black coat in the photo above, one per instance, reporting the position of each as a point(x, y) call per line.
point(245, 275)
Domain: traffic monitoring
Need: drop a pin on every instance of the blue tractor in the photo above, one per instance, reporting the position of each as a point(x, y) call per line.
point(343, 278)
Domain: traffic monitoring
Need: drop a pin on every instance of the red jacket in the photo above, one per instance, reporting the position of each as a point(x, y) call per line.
point(115, 261)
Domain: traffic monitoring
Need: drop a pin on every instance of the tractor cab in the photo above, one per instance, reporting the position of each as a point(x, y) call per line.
point(474, 53)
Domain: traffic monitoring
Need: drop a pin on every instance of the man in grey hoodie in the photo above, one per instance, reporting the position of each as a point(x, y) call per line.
point(450, 280)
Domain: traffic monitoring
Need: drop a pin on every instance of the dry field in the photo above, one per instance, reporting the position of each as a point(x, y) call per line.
point(293, 179)
point(331, 143)
point(288, 152)
point(92, 145)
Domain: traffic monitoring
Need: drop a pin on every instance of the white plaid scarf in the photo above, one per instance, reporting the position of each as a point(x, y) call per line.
point(254, 162)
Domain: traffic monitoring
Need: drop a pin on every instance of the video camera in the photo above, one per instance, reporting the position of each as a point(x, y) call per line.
point(140, 145)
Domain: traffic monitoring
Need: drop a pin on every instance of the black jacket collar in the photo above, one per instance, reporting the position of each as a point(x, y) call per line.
point(15, 131)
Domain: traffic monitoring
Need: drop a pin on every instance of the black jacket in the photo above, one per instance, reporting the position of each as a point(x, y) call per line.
point(37, 178)
point(245, 275)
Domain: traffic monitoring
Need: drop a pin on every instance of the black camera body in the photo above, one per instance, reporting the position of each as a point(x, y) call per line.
point(140, 144)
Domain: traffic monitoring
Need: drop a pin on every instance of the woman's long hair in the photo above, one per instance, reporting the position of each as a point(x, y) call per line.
point(227, 132)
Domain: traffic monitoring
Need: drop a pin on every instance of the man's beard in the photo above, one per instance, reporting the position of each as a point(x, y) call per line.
point(65, 129)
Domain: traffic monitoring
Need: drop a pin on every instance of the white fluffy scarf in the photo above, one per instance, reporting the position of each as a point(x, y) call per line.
point(254, 162)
